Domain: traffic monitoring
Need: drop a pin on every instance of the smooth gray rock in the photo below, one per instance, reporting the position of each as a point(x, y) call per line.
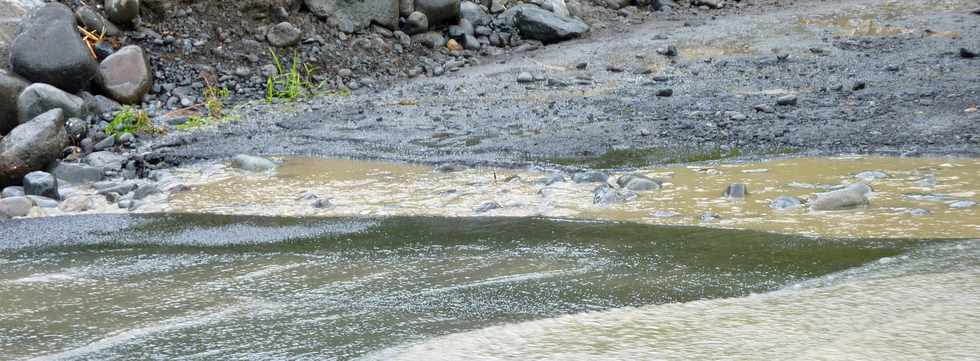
point(545, 26)
point(39, 98)
point(107, 161)
point(962, 204)
point(638, 183)
point(787, 100)
point(590, 177)
point(556, 6)
point(121, 189)
point(430, 39)
point(870, 176)
point(506, 19)
point(43, 202)
point(42, 184)
point(919, 212)
point(549, 180)
point(786, 202)
point(439, 11)
point(474, 14)
point(252, 163)
point(11, 86)
point(736, 191)
point(15, 207)
point(12, 191)
point(32, 146)
point(78, 204)
point(122, 12)
point(358, 13)
point(91, 19)
point(708, 217)
point(48, 49)
point(145, 191)
point(605, 195)
point(77, 173)
point(416, 23)
point(487, 207)
point(125, 75)
point(854, 196)
point(284, 34)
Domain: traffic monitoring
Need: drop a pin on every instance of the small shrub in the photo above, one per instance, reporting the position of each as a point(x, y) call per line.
point(131, 120)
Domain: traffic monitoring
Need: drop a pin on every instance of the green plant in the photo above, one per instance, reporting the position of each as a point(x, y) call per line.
point(213, 100)
point(194, 122)
point(133, 121)
point(290, 83)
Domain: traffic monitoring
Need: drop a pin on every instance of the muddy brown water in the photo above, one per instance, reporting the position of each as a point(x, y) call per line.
point(359, 188)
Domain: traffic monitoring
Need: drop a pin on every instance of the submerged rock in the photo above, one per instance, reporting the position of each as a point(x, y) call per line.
point(605, 195)
point(736, 191)
point(590, 177)
point(252, 163)
point(487, 206)
point(962, 204)
point(48, 49)
point(638, 183)
point(786, 202)
point(870, 176)
point(853, 196)
point(32, 146)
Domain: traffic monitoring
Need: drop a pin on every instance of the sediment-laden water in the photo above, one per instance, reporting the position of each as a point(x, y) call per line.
point(197, 287)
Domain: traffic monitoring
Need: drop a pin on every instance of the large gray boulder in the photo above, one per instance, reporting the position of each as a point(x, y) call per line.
point(439, 12)
point(40, 98)
point(406, 7)
point(545, 26)
point(122, 12)
point(32, 146)
point(474, 14)
point(125, 75)
point(416, 23)
point(49, 50)
point(854, 196)
point(10, 88)
point(360, 12)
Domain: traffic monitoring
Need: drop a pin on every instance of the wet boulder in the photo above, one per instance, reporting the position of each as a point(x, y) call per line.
point(126, 75)
point(854, 196)
point(252, 163)
point(15, 207)
point(360, 13)
point(871, 175)
point(122, 12)
point(540, 24)
point(91, 19)
point(40, 98)
point(77, 173)
point(10, 88)
point(439, 11)
point(32, 146)
point(638, 183)
point(48, 49)
point(42, 184)
point(786, 202)
point(590, 177)
point(605, 195)
point(736, 191)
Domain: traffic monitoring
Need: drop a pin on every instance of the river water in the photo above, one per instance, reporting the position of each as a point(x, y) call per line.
point(401, 267)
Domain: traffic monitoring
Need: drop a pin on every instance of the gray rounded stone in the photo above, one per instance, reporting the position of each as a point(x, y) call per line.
point(42, 184)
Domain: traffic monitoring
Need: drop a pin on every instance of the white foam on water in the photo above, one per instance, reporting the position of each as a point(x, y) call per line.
point(913, 309)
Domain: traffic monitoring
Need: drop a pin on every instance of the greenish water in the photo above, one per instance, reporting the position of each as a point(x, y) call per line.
point(230, 287)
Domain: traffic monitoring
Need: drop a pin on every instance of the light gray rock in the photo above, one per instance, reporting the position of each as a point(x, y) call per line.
point(77, 173)
point(43, 202)
point(15, 207)
point(42, 184)
point(556, 6)
point(32, 146)
point(545, 26)
point(253, 163)
point(107, 161)
point(146, 190)
point(962, 204)
point(638, 183)
point(853, 196)
point(549, 180)
point(122, 12)
point(121, 189)
point(870, 176)
point(525, 77)
point(786, 202)
point(439, 12)
point(590, 177)
point(358, 13)
point(11, 86)
point(474, 13)
point(487, 207)
point(406, 7)
point(39, 98)
point(91, 19)
point(284, 34)
point(416, 23)
point(605, 195)
point(125, 75)
point(48, 49)
point(787, 100)
point(430, 39)
point(78, 204)
point(12, 191)
point(919, 212)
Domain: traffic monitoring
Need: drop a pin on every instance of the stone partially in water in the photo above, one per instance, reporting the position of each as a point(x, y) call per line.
point(638, 183)
point(252, 163)
point(605, 195)
point(41, 184)
point(785, 202)
point(590, 177)
point(487, 206)
point(736, 191)
point(853, 196)
point(15, 207)
point(962, 204)
point(870, 176)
